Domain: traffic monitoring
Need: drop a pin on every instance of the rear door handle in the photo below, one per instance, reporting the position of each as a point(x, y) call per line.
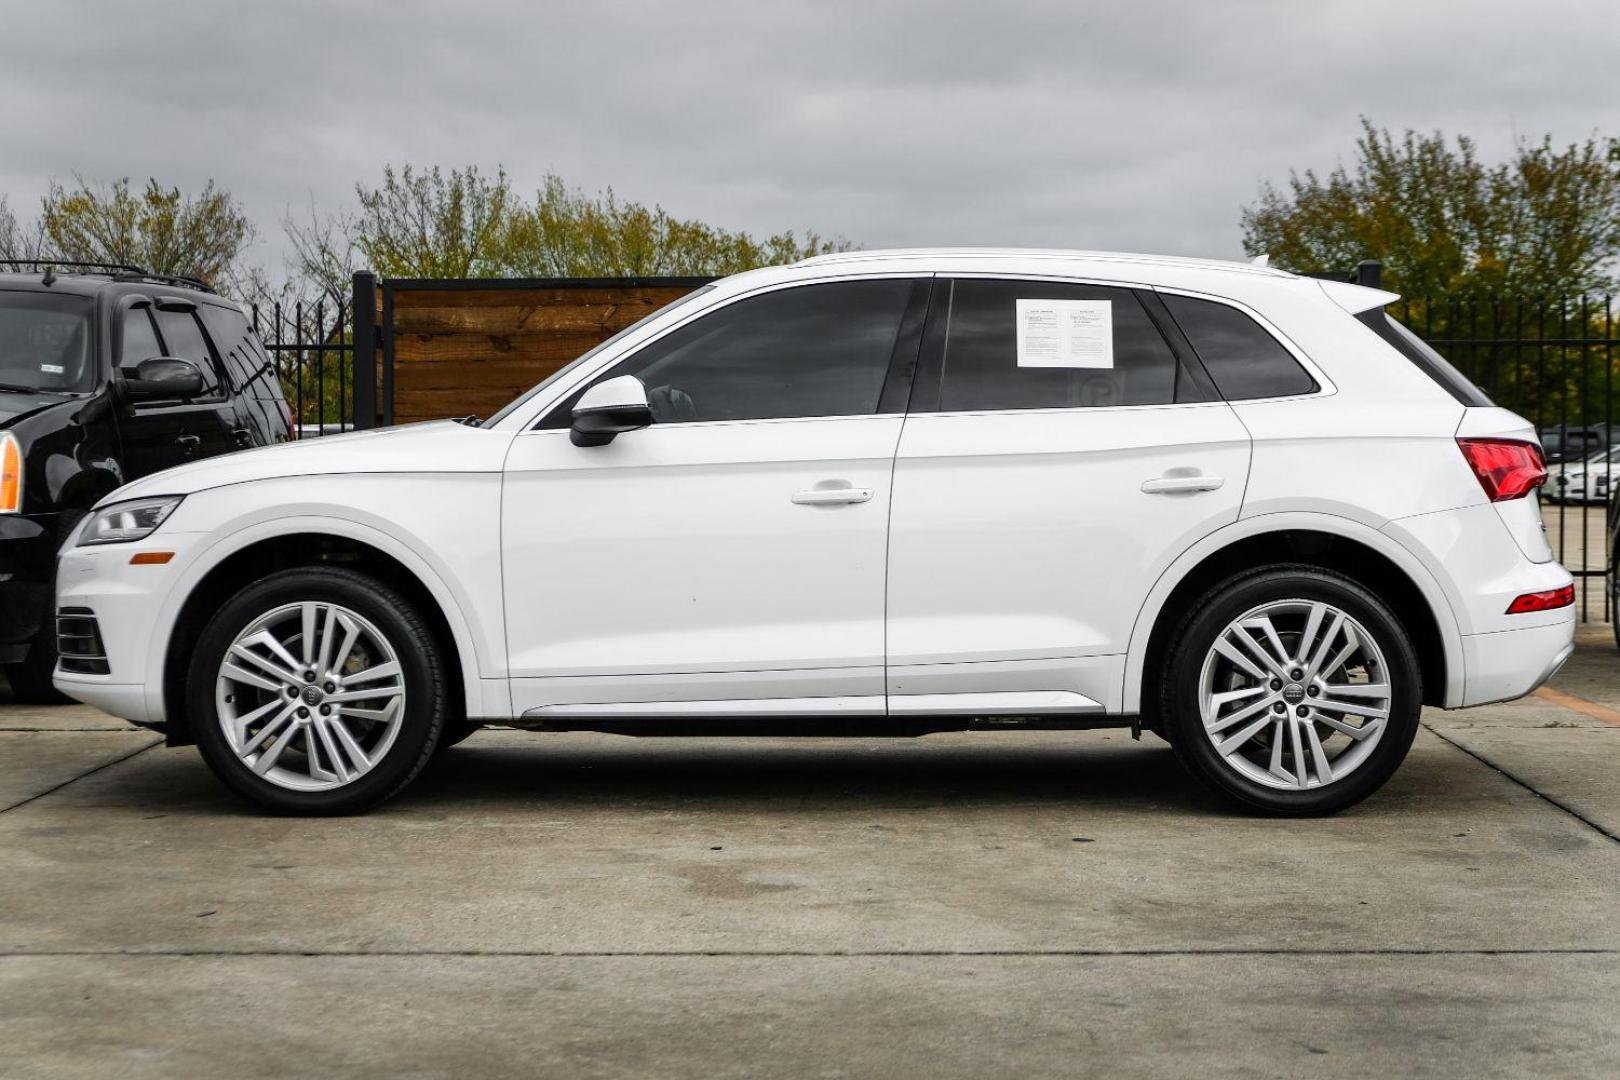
point(1166, 485)
point(831, 496)
point(188, 442)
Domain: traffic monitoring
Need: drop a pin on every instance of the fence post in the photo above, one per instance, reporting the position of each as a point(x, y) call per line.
point(1370, 272)
point(365, 349)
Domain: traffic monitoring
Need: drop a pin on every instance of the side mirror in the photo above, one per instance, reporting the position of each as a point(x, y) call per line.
point(609, 408)
point(163, 377)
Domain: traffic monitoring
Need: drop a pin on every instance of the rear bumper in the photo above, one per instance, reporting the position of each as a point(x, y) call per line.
point(1512, 663)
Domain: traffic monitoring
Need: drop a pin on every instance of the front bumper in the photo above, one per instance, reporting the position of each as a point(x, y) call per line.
point(27, 549)
point(130, 606)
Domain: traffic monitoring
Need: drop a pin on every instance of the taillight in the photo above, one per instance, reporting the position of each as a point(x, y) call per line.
point(1507, 468)
point(1543, 601)
point(10, 474)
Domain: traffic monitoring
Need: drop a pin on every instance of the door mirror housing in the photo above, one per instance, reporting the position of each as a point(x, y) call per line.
point(163, 377)
point(608, 409)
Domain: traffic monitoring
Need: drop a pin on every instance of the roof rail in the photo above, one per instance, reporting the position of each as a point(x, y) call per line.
point(116, 271)
point(27, 266)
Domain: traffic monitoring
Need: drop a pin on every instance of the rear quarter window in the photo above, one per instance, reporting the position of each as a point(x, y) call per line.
point(1242, 357)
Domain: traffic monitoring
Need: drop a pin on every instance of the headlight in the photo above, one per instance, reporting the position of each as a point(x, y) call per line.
point(10, 474)
point(123, 522)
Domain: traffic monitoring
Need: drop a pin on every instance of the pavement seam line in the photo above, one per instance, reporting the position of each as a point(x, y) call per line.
point(1580, 705)
point(1494, 767)
point(676, 954)
point(75, 779)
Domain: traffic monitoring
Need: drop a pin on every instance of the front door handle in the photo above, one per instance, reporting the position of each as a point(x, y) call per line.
point(1165, 485)
point(831, 496)
point(188, 443)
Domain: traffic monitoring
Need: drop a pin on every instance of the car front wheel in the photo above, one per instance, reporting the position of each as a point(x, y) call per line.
point(1292, 690)
point(317, 691)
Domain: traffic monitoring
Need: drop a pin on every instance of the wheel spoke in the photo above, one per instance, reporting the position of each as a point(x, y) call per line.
point(1324, 771)
point(269, 729)
point(1220, 701)
point(1351, 644)
point(251, 678)
point(1369, 690)
point(247, 721)
point(323, 661)
point(1274, 767)
point(1221, 723)
point(1225, 647)
point(1354, 709)
point(1332, 635)
point(364, 694)
point(309, 616)
point(1248, 732)
point(1299, 751)
point(272, 753)
point(1307, 637)
point(1259, 652)
point(268, 641)
point(390, 670)
point(1279, 651)
point(319, 727)
point(351, 631)
point(358, 761)
point(1356, 733)
point(285, 674)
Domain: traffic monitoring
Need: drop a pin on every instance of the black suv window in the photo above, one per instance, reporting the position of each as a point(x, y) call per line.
point(45, 342)
point(1244, 360)
point(138, 338)
point(243, 356)
point(1054, 345)
point(812, 350)
point(183, 337)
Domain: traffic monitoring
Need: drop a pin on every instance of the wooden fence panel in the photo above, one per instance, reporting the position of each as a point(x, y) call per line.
point(462, 348)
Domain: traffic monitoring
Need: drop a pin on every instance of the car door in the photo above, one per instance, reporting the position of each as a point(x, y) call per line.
point(730, 557)
point(160, 434)
point(1060, 453)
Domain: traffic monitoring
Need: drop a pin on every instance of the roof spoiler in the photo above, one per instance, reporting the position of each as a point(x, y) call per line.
point(1357, 298)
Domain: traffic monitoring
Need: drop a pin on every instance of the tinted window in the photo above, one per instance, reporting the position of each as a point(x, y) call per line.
point(815, 350)
point(139, 339)
point(1127, 360)
point(1244, 360)
point(229, 332)
point(45, 342)
point(182, 337)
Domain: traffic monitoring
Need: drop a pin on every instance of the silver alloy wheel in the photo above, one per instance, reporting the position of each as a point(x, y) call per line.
point(1294, 694)
point(310, 696)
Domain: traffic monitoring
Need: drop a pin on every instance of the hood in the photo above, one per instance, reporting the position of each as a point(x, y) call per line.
point(16, 406)
point(441, 446)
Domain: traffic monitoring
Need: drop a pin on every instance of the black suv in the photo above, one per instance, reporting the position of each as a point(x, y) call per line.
point(107, 373)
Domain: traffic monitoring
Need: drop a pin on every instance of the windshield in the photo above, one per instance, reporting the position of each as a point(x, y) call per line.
point(45, 342)
point(578, 360)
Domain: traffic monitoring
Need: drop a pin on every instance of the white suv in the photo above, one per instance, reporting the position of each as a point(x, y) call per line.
point(868, 494)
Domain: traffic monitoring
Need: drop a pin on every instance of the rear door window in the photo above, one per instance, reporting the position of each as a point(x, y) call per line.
point(1015, 344)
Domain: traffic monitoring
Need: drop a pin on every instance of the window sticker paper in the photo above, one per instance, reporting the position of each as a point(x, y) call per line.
point(1066, 334)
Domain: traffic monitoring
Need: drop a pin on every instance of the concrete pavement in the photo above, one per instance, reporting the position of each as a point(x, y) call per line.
point(1044, 904)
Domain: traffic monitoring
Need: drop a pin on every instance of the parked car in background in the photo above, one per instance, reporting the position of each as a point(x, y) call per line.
point(872, 493)
point(1587, 481)
point(107, 374)
point(1571, 442)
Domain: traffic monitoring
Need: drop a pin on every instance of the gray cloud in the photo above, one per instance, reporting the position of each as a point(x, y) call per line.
point(1139, 126)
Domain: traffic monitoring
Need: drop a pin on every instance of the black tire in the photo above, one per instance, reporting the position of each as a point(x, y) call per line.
point(1196, 636)
point(426, 705)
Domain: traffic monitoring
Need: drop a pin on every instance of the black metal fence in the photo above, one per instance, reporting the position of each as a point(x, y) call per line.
point(312, 348)
point(1552, 360)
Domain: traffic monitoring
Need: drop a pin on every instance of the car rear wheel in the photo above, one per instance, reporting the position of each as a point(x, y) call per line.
point(317, 691)
point(1292, 690)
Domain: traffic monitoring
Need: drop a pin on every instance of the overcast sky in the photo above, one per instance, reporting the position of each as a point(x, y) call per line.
point(1136, 126)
